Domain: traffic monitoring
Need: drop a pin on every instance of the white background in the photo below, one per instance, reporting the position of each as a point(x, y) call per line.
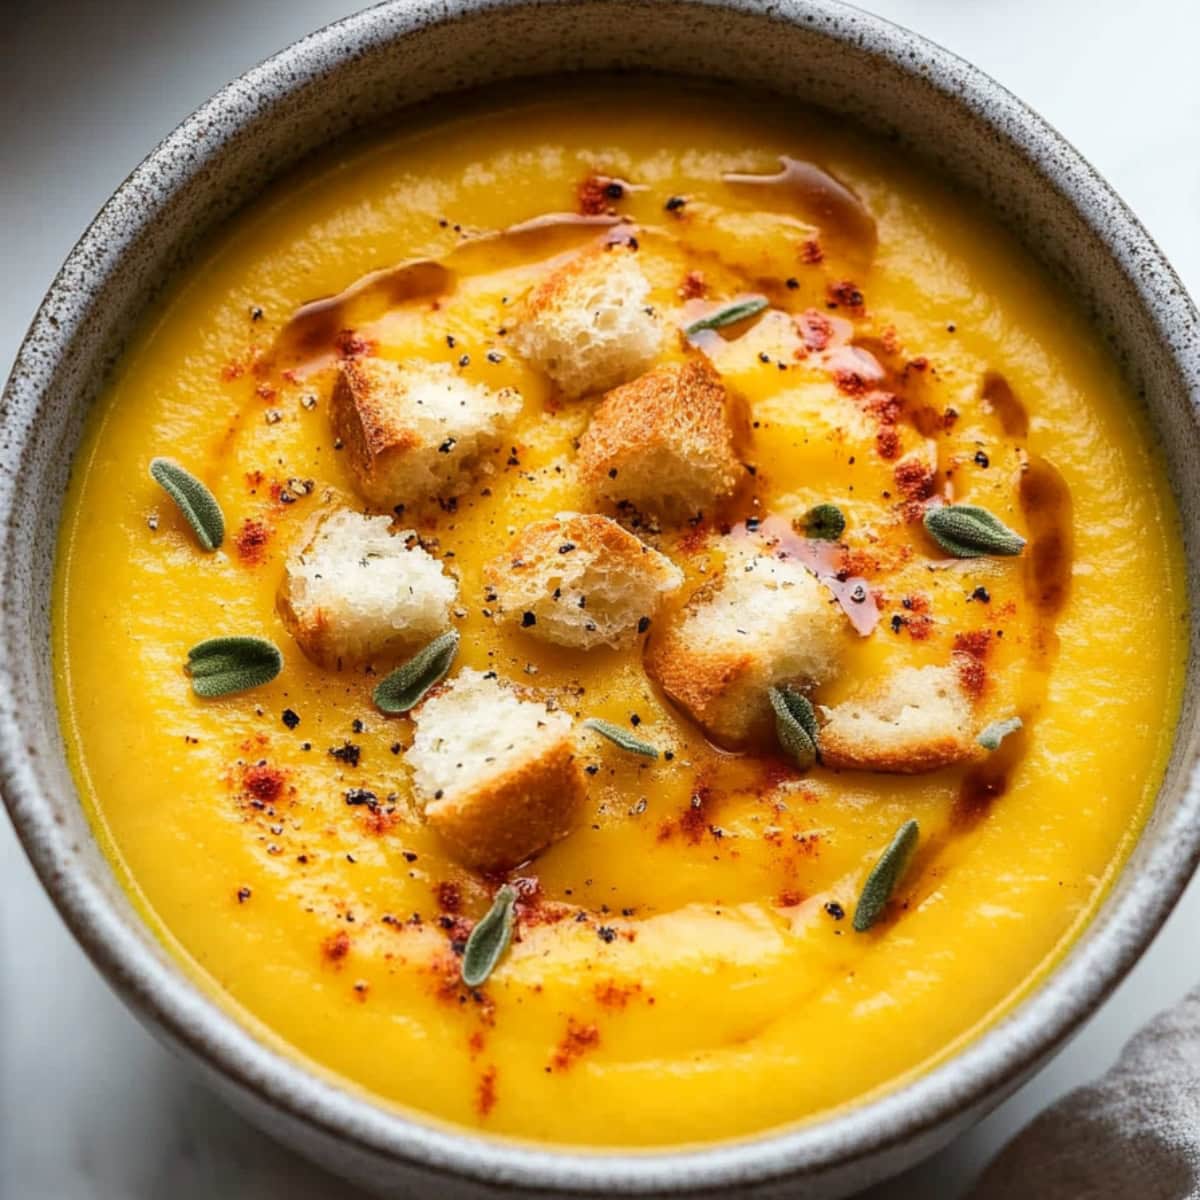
point(90, 1107)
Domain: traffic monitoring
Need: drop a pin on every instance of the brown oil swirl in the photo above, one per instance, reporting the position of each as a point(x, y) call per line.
point(1045, 501)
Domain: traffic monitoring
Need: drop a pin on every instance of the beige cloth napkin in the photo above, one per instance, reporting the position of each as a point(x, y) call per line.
point(1132, 1135)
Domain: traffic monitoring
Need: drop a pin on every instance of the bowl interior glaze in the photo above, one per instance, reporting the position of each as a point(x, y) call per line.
point(346, 78)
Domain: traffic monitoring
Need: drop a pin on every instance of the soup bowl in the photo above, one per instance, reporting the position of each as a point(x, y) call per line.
point(346, 78)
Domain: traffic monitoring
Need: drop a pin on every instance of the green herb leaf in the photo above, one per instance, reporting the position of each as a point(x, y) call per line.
point(795, 726)
point(825, 522)
point(223, 665)
point(198, 505)
point(489, 939)
point(621, 737)
point(970, 532)
point(406, 686)
point(884, 876)
point(728, 314)
point(997, 731)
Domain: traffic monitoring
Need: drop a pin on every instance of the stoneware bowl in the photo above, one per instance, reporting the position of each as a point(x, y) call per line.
point(357, 72)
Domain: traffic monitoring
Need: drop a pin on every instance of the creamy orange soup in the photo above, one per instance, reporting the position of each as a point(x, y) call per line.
point(684, 965)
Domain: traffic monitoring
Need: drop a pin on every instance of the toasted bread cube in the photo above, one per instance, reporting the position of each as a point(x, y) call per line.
point(497, 776)
point(410, 429)
point(763, 623)
point(664, 443)
point(580, 580)
point(355, 591)
point(918, 719)
point(589, 325)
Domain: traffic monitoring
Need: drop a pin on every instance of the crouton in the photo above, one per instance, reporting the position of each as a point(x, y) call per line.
point(355, 591)
point(918, 719)
point(497, 776)
point(410, 429)
point(763, 623)
point(580, 580)
point(588, 325)
point(664, 442)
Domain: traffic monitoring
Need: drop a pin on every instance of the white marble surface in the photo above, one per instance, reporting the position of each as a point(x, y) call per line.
point(90, 1107)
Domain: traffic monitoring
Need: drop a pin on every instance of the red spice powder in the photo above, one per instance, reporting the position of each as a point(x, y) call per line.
point(789, 898)
point(975, 642)
point(251, 541)
point(857, 562)
point(476, 1042)
point(850, 382)
point(773, 770)
point(449, 896)
point(885, 407)
point(887, 443)
point(533, 909)
point(485, 1094)
point(378, 821)
point(265, 392)
point(576, 1041)
point(972, 649)
point(336, 946)
point(447, 976)
point(915, 479)
point(693, 286)
point(348, 343)
point(695, 818)
point(612, 994)
point(815, 329)
point(263, 782)
point(846, 294)
point(811, 252)
point(595, 195)
point(809, 845)
point(919, 628)
point(694, 538)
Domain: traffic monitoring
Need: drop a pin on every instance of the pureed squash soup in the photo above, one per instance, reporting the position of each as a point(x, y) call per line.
point(688, 413)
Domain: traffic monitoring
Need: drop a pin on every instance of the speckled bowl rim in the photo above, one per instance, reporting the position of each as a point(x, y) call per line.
point(193, 1020)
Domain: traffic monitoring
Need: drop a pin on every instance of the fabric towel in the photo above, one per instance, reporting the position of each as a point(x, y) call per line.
point(1132, 1135)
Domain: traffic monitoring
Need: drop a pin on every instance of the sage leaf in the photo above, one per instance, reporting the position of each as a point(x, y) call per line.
point(884, 876)
point(967, 531)
point(197, 504)
point(621, 737)
point(406, 686)
point(489, 939)
point(223, 665)
point(825, 522)
point(795, 726)
point(997, 731)
point(727, 314)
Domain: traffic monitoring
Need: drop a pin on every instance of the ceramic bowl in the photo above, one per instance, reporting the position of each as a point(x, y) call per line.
point(346, 77)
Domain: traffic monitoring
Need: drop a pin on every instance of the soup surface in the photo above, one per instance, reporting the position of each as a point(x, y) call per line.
point(685, 965)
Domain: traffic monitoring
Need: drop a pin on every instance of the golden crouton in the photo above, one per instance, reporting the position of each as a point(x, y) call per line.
point(355, 591)
point(588, 325)
point(497, 776)
point(409, 429)
point(665, 442)
point(580, 580)
point(918, 719)
point(763, 623)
